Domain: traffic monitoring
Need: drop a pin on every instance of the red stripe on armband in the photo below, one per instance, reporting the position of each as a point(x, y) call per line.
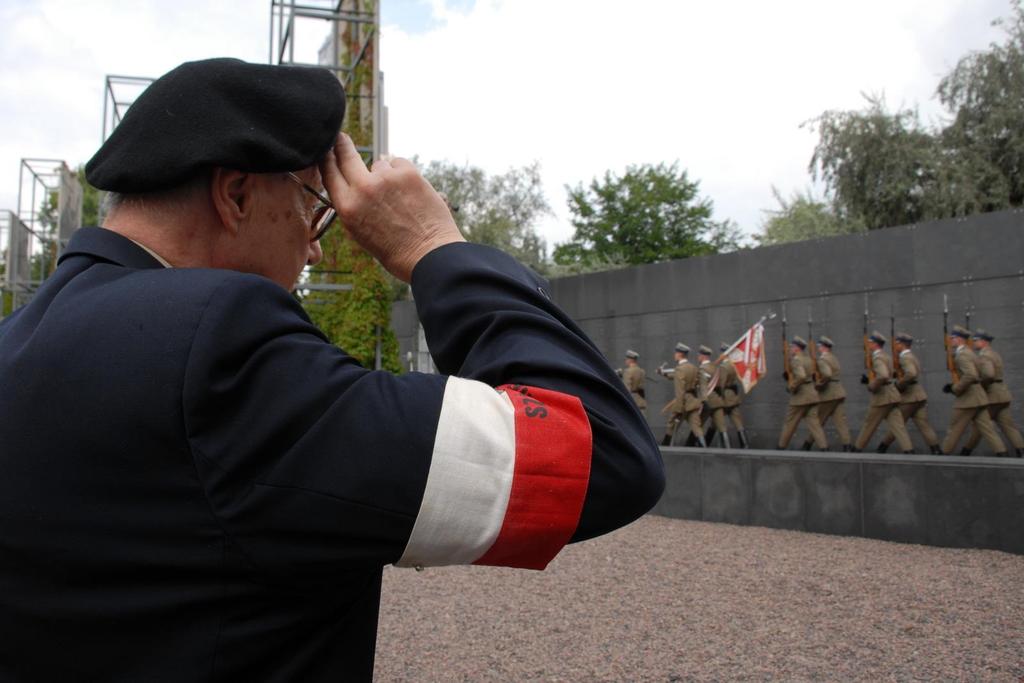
point(552, 468)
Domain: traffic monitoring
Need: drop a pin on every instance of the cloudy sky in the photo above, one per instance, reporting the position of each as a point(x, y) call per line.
point(582, 86)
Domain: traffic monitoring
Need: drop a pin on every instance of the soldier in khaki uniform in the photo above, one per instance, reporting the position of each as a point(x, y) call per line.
point(913, 399)
point(971, 402)
point(732, 395)
point(714, 400)
point(633, 376)
point(885, 399)
point(803, 399)
point(990, 365)
point(832, 394)
point(685, 407)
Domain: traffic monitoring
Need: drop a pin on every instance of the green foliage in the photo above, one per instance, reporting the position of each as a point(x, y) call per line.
point(352, 319)
point(883, 168)
point(90, 199)
point(649, 214)
point(984, 94)
point(500, 211)
point(802, 217)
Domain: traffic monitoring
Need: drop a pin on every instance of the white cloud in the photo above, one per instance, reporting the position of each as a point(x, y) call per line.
point(583, 86)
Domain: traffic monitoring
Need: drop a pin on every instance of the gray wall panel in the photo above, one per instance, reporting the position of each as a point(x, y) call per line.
point(945, 501)
point(710, 299)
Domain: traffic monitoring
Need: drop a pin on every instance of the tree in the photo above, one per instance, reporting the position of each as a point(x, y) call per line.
point(984, 94)
point(497, 210)
point(880, 167)
point(649, 214)
point(802, 217)
point(884, 168)
point(355, 319)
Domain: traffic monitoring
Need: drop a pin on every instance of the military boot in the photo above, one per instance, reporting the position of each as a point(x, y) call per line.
point(742, 434)
point(936, 450)
point(883, 447)
point(666, 440)
point(1019, 452)
point(847, 448)
point(965, 451)
point(709, 435)
point(806, 446)
point(701, 443)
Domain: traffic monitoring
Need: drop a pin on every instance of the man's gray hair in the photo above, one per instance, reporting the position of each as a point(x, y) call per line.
point(171, 199)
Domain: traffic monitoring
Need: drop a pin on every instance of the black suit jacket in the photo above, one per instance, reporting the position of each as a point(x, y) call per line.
point(196, 485)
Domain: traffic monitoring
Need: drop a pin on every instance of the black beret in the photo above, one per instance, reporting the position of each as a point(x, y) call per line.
point(220, 112)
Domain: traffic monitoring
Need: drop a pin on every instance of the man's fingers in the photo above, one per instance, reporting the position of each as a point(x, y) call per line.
point(330, 175)
point(381, 164)
point(351, 164)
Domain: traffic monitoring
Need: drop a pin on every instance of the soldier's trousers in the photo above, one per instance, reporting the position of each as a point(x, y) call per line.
point(981, 420)
point(918, 412)
point(836, 409)
point(793, 417)
point(893, 417)
point(717, 417)
point(691, 418)
point(1003, 418)
point(733, 414)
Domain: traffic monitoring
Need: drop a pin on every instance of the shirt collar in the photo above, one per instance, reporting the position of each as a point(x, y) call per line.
point(155, 255)
point(109, 246)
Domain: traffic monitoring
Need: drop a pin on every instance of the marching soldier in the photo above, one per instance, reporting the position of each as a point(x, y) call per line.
point(714, 402)
point(913, 399)
point(803, 400)
point(831, 393)
point(633, 376)
point(885, 399)
point(990, 364)
point(731, 396)
point(686, 405)
point(971, 402)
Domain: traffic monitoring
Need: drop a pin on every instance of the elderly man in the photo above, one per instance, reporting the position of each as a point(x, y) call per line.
point(197, 485)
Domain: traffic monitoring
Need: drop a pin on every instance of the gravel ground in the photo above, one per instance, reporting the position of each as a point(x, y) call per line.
point(673, 600)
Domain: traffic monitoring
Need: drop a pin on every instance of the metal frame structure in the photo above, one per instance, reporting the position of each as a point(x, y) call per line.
point(29, 234)
point(115, 100)
point(353, 41)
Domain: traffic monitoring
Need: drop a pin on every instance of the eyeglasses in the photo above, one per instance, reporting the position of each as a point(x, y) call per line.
point(323, 215)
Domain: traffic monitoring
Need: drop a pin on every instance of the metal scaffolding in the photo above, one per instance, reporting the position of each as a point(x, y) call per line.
point(119, 92)
point(350, 50)
point(49, 211)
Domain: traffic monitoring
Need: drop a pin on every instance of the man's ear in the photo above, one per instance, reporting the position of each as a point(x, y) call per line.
point(232, 193)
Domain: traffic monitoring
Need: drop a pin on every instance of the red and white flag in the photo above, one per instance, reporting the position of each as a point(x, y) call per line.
point(747, 356)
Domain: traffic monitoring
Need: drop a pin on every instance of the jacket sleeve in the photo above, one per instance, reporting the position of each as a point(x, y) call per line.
point(313, 464)
point(881, 375)
point(968, 374)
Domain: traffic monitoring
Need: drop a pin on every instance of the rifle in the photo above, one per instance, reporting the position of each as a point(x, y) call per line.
point(812, 348)
point(947, 342)
point(785, 346)
point(896, 367)
point(868, 365)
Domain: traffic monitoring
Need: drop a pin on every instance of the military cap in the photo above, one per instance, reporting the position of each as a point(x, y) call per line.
point(705, 351)
point(723, 347)
point(220, 112)
point(799, 341)
point(682, 348)
point(632, 354)
point(983, 335)
point(825, 341)
point(878, 338)
point(961, 332)
point(904, 338)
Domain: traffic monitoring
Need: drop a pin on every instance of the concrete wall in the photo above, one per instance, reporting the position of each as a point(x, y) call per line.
point(945, 501)
point(978, 262)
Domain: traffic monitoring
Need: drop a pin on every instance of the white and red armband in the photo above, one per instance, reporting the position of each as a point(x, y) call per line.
point(507, 479)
